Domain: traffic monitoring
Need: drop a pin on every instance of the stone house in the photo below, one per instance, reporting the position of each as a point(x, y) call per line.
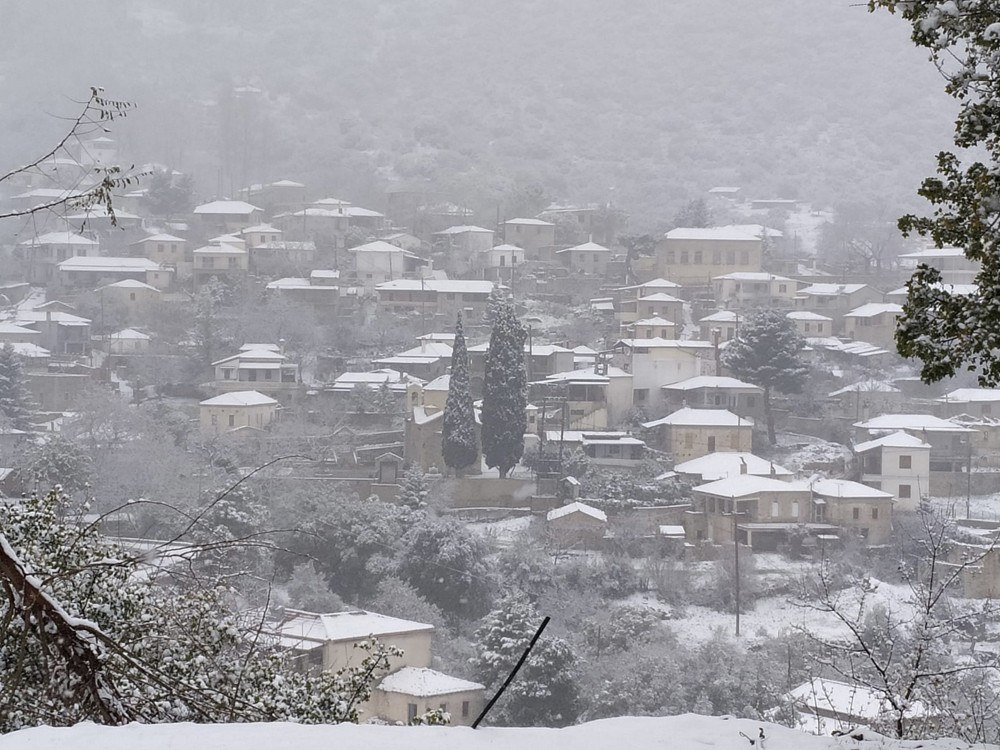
point(576, 525)
point(236, 410)
point(689, 433)
point(898, 463)
point(694, 256)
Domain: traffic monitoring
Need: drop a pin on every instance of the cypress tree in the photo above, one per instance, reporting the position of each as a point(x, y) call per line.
point(458, 435)
point(505, 391)
point(15, 400)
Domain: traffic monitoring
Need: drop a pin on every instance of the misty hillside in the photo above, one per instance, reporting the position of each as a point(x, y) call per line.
point(646, 103)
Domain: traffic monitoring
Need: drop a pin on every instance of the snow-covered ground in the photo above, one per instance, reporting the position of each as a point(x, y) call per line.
point(685, 732)
point(982, 507)
point(771, 617)
point(805, 453)
point(504, 531)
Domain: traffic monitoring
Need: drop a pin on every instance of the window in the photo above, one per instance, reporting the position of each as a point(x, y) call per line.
point(131, 296)
point(775, 509)
point(904, 491)
point(215, 419)
point(443, 707)
point(232, 420)
point(503, 261)
point(640, 395)
point(782, 288)
point(905, 462)
point(411, 711)
point(711, 444)
point(716, 257)
point(807, 327)
point(159, 247)
point(874, 514)
point(751, 402)
point(795, 508)
point(465, 709)
point(819, 328)
point(268, 374)
point(856, 513)
point(698, 257)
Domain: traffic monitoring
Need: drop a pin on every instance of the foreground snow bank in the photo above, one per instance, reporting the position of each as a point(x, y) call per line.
point(687, 732)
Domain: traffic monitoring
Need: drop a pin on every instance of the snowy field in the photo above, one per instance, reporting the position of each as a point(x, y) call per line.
point(686, 732)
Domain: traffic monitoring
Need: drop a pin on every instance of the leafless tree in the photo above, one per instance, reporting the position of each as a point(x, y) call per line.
point(903, 652)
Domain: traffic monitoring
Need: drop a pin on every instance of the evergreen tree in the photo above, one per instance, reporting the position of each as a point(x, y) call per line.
point(448, 565)
point(948, 329)
point(385, 400)
point(766, 351)
point(694, 214)
point(505, 393)
point(15, 401)
point(413, 493)
point(545, 691)
point(458, 436)
point(495, 303)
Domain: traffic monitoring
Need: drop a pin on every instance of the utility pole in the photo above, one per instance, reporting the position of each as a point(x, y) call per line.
point(968, 479)
point(736, 560)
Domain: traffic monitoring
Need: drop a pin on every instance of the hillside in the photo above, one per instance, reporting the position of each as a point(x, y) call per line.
point(646, 106)
point(687, 732)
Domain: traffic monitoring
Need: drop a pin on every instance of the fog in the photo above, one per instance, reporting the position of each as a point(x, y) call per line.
point(646, 104)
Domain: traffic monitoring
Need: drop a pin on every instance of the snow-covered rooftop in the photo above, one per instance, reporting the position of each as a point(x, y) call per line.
point(239, 398)
point(465, 228)
point(712, 233)
point(872, 309)
point(655, 321)
point(702, 417)
point(530, 222)
point(898, 439)
point(830, 290)
point(302, 627)
point(807, 315)
point(577, 507)
point(60, 238)
point(230, 208)
point(710, 381)
point(751, 276)
point(714, 466)
point(441, 286)
point(425, 683)
point(972, 395)
point(109, 264)
point(848, 489)
point(921, 422)
point(586, 247)
point(743, 485)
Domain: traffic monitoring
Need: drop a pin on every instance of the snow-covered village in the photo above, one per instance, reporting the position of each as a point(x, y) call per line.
point(354, 389)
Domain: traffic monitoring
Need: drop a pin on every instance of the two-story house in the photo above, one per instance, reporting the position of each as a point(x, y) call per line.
point(874, 322)
point(259, 366)
point(329, 642)
point(654, 363)
point(835, 300)
point(227, 216)
point(716, 391)
point(445, 297)
point(377, 262)
point(689, 433)
point(898, 463)
point(43, 253)
point(811, 324)
point(694, 256)
point(742, 289)
point(588, 258)
point(855, 507)
point(598, 398)
point(460, 248)
point(534, 235)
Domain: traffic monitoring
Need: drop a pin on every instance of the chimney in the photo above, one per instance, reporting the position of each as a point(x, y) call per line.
point(743, 465)
point(773, 472)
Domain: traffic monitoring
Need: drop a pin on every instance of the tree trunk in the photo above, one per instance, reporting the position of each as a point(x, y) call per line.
point(772, 438)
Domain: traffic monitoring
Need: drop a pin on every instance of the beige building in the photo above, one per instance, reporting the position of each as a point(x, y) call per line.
point(811, 324)
point(760, 510)
point(534, 235)
point(598, 398)
point(899, 464)
point(377, 262)
point(236, 410)
point(720, 326)
point(461, 248)
point(653, 305)
point(163, 248)
point(874, 322)
point(223, 261)
point(654, 363)
point(445, 297)
point(689, 433)
point(854, 506)
point(411, 691)
point(588, 258)
point(652, 328)
point(696, 255)
point(258, 366)
point(43, 253)
point(742, 289)
point(952, 262)
point(835, 300)
point(328, 642)
point(576, 525)
point(716, 392)
point(227, 216)
point(132, 295)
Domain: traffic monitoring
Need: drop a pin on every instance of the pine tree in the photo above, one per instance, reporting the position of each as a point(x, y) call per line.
point(505, 393)
point(545, 692)
point(15, 401)
point(385, 400)
point(458, 437)
point(766, 351)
